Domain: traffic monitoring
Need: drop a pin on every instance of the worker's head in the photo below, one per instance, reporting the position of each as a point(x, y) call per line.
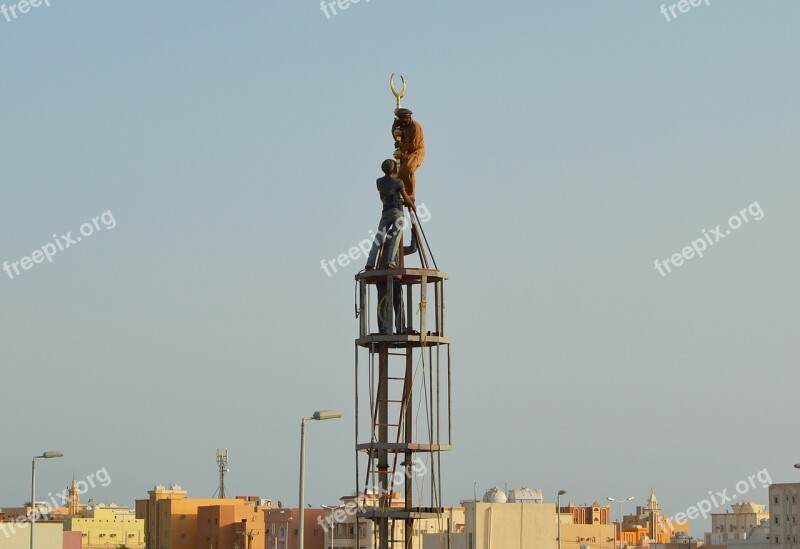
point(404, 116)
point(389, 166)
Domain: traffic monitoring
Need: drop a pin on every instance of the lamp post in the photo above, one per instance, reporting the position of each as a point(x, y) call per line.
point(558, 512)
point(331, 509)
point(46, 455)
point(320, 415)
point(620, 502)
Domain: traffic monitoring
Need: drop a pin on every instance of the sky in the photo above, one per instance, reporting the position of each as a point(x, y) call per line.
point(215, 153)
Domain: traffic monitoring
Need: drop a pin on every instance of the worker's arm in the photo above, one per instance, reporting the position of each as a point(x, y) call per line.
point(409, 203)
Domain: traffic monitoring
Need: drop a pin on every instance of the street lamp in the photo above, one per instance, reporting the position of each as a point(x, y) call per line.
point(620, 501)
point(332, 508)
point(46, 455)
point(320, 415)
point(558, 512)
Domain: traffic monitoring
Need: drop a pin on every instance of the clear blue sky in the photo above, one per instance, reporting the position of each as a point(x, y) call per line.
point(569, 145)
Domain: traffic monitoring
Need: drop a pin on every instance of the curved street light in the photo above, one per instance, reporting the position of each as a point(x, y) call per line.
point(320, 415)
point(46, 455)
point(620, 502)
point(558, 512)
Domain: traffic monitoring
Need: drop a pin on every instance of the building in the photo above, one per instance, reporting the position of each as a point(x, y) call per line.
point(784, 525)
point(282, 528)
point(746, 516)
point(231, 526)
point(589, 514)
point(49, 535)
point(757, 538)
point(170, 518)
point(107, 526)
point(508, 526)
point(525, 523)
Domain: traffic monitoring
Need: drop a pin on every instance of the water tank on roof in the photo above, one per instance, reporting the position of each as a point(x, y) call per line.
point(494, 495)
point(525, 495)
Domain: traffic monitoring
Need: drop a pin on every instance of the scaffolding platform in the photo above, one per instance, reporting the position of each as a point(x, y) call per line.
point(402, 404)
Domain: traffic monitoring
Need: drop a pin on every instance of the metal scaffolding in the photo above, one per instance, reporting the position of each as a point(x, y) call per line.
point(402, 404)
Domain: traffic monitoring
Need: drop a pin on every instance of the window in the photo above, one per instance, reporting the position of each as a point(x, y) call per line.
point(316, 532)
point(776, 519)
point(776, 502)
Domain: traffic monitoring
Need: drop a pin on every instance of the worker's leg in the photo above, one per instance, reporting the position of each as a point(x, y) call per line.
point(399, 315)
point(385, 307)
point(383, 314)
point(406, 175)
point(390, 252)
point(385, 228)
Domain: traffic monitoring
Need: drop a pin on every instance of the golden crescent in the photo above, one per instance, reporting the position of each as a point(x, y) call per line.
point(394, 90)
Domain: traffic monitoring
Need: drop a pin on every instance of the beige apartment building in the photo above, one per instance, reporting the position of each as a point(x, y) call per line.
point(784, 523)
point(107, 526)
point(735, 525)
point(524, 521)
point(509, 526)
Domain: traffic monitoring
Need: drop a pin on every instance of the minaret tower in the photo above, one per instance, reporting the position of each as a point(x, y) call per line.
point(653, 512)
point(73, 498)
point(402, 394)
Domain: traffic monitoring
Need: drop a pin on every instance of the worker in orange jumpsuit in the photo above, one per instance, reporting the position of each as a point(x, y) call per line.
point(412, 148)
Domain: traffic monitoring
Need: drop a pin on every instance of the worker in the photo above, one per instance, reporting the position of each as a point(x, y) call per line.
point(386, 245)
point(412, 148)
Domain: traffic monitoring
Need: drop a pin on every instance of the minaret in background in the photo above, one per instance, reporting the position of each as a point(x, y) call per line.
point(652, 510)
point(73, 499)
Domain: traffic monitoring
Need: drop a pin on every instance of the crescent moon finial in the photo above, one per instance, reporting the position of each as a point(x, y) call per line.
point(399, 95)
